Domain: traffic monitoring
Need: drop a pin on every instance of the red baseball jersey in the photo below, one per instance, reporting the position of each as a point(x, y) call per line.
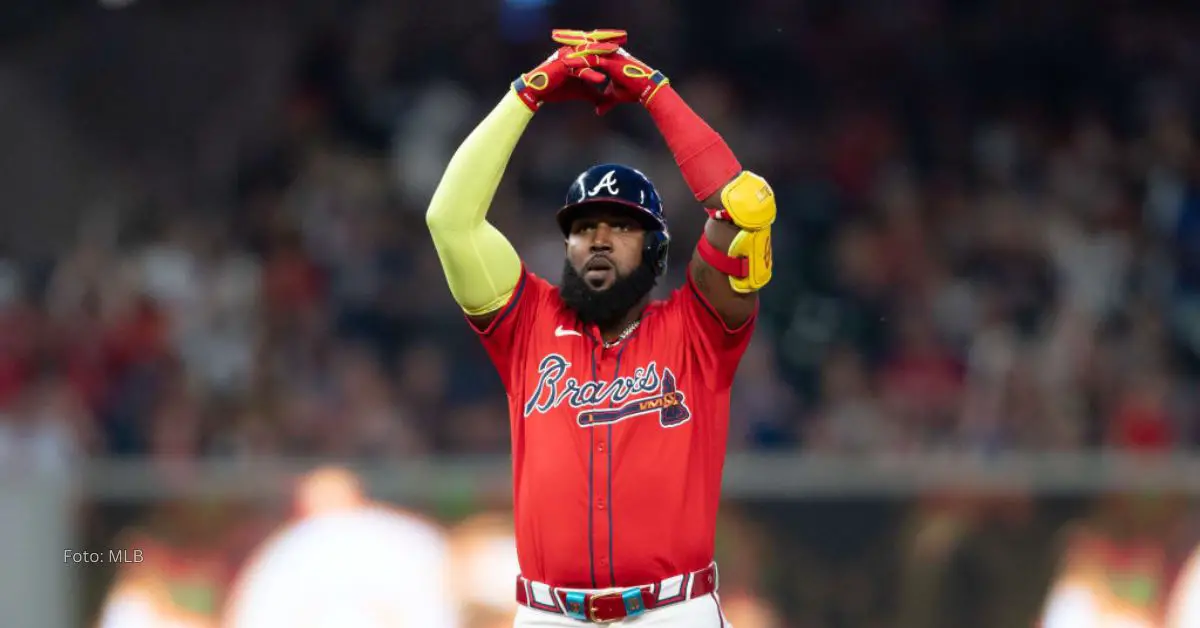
point(618, 452)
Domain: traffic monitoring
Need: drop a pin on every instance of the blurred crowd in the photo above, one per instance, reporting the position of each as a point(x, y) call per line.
point(989, 234)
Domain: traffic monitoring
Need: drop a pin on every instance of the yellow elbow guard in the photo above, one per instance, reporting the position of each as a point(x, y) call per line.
point(755, 248)
point(748, 202)
point(748, 263)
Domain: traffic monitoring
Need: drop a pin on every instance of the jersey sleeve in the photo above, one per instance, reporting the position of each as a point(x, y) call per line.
point(716, 348)
point(506, 337)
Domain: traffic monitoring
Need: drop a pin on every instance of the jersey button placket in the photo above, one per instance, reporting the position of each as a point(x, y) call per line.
point(599, 493)
point(600, 481)
point(605, 361)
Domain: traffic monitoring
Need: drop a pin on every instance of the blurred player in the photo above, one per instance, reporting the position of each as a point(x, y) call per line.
point(1184, 608)
point(619, 406)
point(484, 553)
point(346, 562)
point(1108, 581)
point(185, 548)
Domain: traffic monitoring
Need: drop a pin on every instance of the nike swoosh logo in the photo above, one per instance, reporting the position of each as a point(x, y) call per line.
point(559, 332)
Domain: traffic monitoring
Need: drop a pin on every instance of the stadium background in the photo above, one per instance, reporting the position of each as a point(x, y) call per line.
point(215, 277)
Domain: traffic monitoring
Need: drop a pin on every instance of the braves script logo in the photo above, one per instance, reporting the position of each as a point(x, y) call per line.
point(646, 392)
point(608, 182)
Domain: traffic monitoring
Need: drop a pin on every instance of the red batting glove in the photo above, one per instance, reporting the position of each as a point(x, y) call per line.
point(570, 37)
point(632, 80)
point(567, 74)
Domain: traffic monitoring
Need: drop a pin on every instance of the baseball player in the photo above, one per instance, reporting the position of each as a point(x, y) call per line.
point(619, 406)
point(345, 560)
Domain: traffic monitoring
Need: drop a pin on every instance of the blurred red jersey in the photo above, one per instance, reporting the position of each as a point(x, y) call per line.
point(617, 452)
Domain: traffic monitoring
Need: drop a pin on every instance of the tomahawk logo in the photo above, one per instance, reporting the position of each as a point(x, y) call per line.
point(608, 182)
point(603, 402)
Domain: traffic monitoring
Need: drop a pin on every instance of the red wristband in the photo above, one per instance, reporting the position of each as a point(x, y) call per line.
point(718, 214)
point(706, 161)
point(738, 267)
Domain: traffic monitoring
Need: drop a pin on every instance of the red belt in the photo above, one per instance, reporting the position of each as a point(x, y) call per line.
point(610, 606)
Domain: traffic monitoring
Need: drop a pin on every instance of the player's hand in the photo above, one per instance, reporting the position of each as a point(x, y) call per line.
point(568, 74)
point(632, 80)
point(572, 37)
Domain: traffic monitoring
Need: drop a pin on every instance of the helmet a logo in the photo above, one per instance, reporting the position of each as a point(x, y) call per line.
point(607, 183)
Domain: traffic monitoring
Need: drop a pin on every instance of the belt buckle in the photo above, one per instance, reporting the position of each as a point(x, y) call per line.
point(591, 609)
point(630, 598)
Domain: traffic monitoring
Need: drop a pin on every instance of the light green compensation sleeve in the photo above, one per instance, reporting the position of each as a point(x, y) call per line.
point(481, 266)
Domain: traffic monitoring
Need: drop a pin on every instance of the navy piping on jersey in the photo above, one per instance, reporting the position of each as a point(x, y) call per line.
point(703, 301)
point(508, 307)
point(612, 561)
point(691, 284)
point(591, 507)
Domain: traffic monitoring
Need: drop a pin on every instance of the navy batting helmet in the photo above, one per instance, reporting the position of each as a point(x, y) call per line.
point(622, 187)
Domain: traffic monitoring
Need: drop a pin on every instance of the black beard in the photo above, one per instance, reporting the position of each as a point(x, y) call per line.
point(606, 307)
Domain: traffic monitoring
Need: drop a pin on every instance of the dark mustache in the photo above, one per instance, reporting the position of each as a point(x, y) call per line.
point(595, 260)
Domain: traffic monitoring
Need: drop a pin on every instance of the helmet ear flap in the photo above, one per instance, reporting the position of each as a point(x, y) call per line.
point(655, 251)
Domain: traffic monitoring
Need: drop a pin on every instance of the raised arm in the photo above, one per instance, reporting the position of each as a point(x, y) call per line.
point(480, 264)
point(733, 258)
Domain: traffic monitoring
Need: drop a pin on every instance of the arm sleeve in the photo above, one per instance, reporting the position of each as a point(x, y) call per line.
point(716, 347)
point(481, 266)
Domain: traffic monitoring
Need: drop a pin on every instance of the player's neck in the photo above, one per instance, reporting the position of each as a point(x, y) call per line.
point(612, 331)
